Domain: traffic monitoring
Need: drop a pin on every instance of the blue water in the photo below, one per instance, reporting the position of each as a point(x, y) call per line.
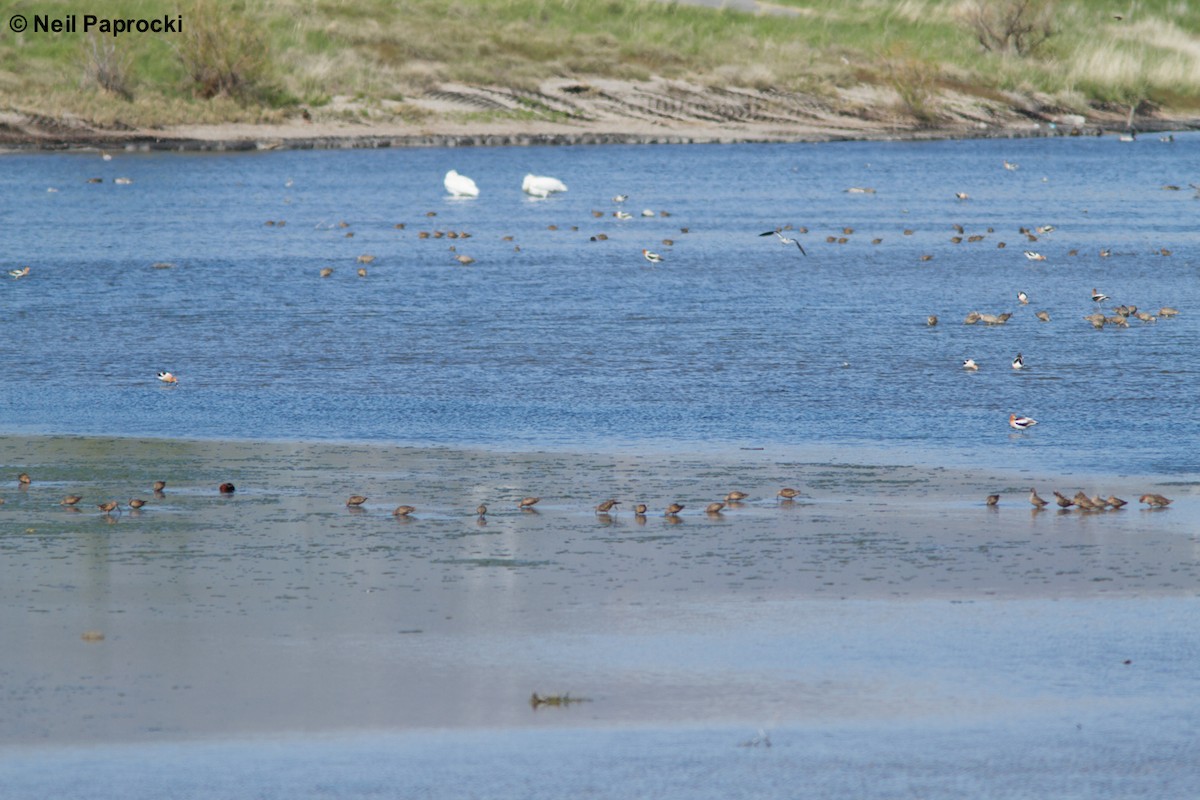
point(734, 340)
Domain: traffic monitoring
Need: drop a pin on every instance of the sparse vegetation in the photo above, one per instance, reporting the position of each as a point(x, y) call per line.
point(261, 60)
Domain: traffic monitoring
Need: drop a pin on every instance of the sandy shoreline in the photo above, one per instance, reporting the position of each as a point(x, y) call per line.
point(597, 111)
point(227, 615)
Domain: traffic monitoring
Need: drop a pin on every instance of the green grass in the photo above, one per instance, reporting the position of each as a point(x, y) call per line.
point(315, 50)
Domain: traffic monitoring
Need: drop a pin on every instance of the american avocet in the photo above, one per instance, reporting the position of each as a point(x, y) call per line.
point(607, 506)
point(19, 273)
point(1021, 423)
point(1098, 296)
point(542, 185)
point(962, 196)
point(622, 215)
point(713, 508)
point(1154, 500)
point(404, 511)
point(355, 500)
point(1022, 298)
point(784, 239)
point(167, 377)
point(620, 198)
point(460, 185)
point(1018, 362)
point(653, 258)
point(528, 502)
point(1035, 500)
point(969, 363)
point(1034, 256)
point(1010, 166)
point(1063, 502)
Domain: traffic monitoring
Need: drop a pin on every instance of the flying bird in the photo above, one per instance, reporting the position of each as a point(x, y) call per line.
point(784, 239)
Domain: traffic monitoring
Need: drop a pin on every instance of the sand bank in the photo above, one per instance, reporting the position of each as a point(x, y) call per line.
point(278, 608)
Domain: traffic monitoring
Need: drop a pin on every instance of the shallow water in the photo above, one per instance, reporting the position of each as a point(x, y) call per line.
point(733, 341)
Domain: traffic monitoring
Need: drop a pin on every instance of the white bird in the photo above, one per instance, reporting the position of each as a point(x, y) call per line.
point(784, 239)
point(969, 363)
point(620, 198)
point(1021, 423)
point(647, 212)
point(1032, 256)
point(622, 215)
point(653, 258)
point(19, 273)
point(962, 195)
point(1098, 297)
point(1010, 166)
point(1018, 362)
point(460, 185)
point(542, 186)
point(1023, 298)
point(167, 377)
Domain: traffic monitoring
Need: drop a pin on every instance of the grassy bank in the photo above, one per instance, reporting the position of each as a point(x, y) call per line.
point(263, 60)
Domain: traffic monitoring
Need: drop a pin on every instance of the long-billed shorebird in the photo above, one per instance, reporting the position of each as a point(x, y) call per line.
point(70, 500)
point(674, 509)
point(607, 506)
point(1063, 502)
point(1035, 500)
point(653, 258)
point(1154, 500)
point(404, 511)
point(788, 493)
point(355, 501)
point(714, 508)
point(1021, 423)
point(527, 503)
point(735, 497)
point(136, 502)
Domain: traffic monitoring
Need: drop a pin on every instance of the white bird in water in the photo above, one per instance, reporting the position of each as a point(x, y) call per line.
point(784, 239)
point(622, 215)
point(167, 377)
point(969, 363)
point(653, 258)
point(620, 198)
point(541, 185)
point(1033, 256)
point(19, 273)
point(1023, 298)
point(1011, 167)
point(1018, 362)
point(1021, 423)
point(460, 185)
point(1098, 296)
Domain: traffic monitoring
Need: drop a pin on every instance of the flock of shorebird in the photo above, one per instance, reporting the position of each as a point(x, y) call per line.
point(1085, 503)
point(71, 501)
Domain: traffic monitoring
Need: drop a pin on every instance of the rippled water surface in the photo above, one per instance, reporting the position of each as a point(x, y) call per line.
point(733, 340)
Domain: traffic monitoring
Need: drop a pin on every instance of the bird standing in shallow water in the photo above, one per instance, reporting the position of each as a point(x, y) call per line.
point(355, 501)
point(108, 507)
point(969, 363)
point(1154, 500)
point(674, 509)
point(70, 500)
point(226, 488)
point(1036, 501)
point(640, 510)
point(1018, 362)
point(714, 508)
point(653, 258)
point(788, 493)
point(735, 497)
point(167, 377)
point(992, 499)
point(1021, 423)
point(1022, 298)
point(404, 511)
point(481, 510)
point(528, 502)
point(1098, 296)
point(1115, 501)
point(24, 479)
point(136, 503)
point(1063, 502)
point(159, 486)
point(606, 506)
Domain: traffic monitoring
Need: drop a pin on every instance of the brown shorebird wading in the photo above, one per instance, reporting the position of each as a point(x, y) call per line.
point(640, 509)
point(1116, 502)
point(481, 510)
point(404, 511)
point(674, 509)
point(159, 486)
point(135, 502)
point(1037, 502)
point(70, 500)
point(108, 507)
point(356, 500)
point(993, 499)
point(1154, 500)
point(24, 479)
point(528, 502)
point(788, 493)
point(606, 506)
point(735, 497)
point(714, 508)
point(226, 488)
point(1063, 502)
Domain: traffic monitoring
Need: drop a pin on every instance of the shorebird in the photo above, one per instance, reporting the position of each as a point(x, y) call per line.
point(931, 320)
point(620, 198)
point(971, 318)
point(481, 510)
point(528, 502)
point(607, 506)
point(1018, 362)
point(109, 507)
point(788, 493)
point(1154, 500)
point(1044, 316)
point(1023, 298)
point(1036, 501)
point(70, 500)
point(226, 488)
point(735, 497)
point(653, 258)
point(713, 508)
point(1034, 256)
point(640, 510)
point(460, 185)
point(674, 509)
point(135, 502)
point(404, 511)
point(1021, 423)
point(786, 240)
point(1167, 311)
point(355, 500)
point(167, 377)
point(19, 273)
point(1010, 166)
point(969, 364)
point(962, 196)
point(1116, 502)
point(1084, 502)
point(542, 185)
point(1063, 502)
point(24, 479)
point(992, 499)
point(362, 272)
point(1098, 296)
point(159, 486)
point(622, 215)
point(326, 272)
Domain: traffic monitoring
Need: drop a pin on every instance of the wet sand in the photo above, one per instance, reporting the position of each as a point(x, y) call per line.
point(881, 593)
